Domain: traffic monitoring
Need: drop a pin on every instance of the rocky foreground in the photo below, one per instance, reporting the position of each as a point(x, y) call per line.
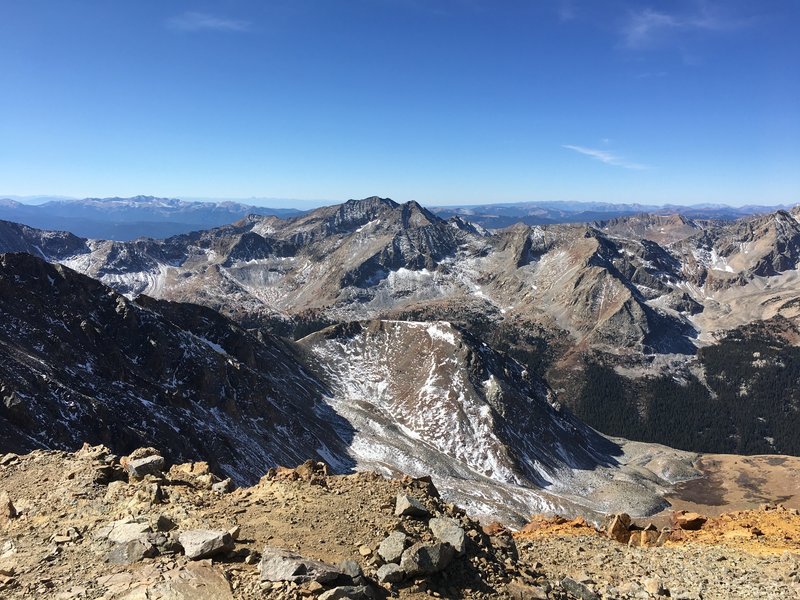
point(91, 525)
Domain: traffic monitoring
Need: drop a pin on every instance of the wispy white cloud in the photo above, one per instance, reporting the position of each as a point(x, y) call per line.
point(197, 21)
point(606, 157)
point(646, 27)
point(566, 10)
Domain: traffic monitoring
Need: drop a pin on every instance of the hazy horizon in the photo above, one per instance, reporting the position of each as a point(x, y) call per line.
point(307, 204)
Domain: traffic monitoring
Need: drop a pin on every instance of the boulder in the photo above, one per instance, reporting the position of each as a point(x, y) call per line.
point(618, 528)
point(8, 559)
point(7, 509)
point(390, 573)
point(391, 548)
point(425, 558)
point(132, 551)
point(408, 506)
point(578, 589)
point(282, 565)
point(518, 590)
point(346, 591)
point(222, 487)
point(138, 468)
point(690, 521)
point(123, 531)
point(204, 543)
point(450, 532)
point(352, 569)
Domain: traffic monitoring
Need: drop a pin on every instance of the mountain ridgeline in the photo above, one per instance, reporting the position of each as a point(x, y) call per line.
point(434, 346)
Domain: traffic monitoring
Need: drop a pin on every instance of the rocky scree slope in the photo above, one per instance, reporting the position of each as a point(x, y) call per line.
point(130, 528)
point(81, 362)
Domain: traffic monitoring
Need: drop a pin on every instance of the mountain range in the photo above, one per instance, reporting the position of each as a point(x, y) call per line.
point(432, 346)
point(129, 218)
point(149, 216)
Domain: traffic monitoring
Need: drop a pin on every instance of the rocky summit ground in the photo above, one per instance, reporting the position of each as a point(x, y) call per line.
point(92, 525)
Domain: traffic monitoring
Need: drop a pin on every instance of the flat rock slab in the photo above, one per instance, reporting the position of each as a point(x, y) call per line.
point(578, 589)
point(123, 531)
point(204, 543)
point(391, 573)
point(278, 564)
point(132, 551)
point(195, 581)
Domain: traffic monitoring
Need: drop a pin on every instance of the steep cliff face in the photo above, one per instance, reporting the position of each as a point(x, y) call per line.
point(428, 398)
point(83, 363)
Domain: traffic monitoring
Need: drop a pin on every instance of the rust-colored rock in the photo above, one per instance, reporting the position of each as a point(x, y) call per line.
point(618, 528)
point(689, 521)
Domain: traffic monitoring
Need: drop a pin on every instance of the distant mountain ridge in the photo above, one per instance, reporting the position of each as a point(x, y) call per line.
point(125, 219)
point(501, 215)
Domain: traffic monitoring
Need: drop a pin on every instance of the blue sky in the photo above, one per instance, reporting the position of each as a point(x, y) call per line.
point(451, 101)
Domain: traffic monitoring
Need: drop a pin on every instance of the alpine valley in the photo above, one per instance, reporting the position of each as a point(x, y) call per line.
point(376, 335)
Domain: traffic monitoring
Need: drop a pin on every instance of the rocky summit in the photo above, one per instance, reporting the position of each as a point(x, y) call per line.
point(174, 533)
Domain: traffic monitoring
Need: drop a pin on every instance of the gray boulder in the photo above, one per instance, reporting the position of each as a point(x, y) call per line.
point(407, 506)
point(391, 573)
point(425, 559)
point(391, 548)
point(123, 531)
point(578, 589)
point(204, 543)
point(132, 551)
point(346, 592)
point(449, 531)
point(352, 569)
point(278, 564)
point(149, 465)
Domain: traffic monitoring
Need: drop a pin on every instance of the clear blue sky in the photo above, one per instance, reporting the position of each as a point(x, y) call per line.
point(451, 101)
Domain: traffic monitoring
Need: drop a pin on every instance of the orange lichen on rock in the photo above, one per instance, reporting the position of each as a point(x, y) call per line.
point(543, 525)
point(770, 529)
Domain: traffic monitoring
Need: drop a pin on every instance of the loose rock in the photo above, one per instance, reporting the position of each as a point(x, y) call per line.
point(391, 548)
point(391, 573)
point(426, 559)
point(205, 543)
point(407, 506)
point(448, 530)
point(150, 465)
point(282, 565)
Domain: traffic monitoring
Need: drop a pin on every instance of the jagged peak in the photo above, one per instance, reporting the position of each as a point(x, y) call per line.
point(372, 201)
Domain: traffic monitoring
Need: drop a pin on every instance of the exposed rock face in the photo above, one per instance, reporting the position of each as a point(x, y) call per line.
point(81, 362)
point(477, 412)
